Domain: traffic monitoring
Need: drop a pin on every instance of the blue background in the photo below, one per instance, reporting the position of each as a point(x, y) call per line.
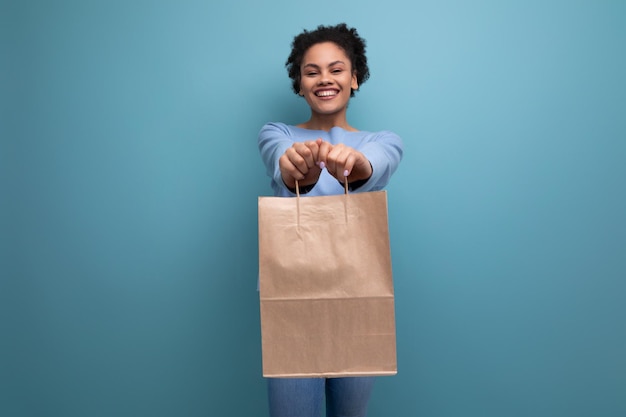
point(130, 173)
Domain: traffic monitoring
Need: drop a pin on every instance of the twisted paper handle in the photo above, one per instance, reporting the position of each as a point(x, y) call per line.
point(345, 185)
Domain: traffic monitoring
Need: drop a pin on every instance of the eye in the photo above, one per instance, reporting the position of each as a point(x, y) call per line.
point(311, 74)
point(336, 70)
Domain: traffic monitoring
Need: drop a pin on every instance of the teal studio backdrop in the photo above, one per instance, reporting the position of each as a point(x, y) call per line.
point(130, 175)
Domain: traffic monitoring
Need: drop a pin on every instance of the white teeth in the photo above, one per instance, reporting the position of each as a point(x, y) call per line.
point(326, 93)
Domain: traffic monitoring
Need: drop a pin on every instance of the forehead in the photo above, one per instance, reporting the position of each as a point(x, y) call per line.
point(324, 53)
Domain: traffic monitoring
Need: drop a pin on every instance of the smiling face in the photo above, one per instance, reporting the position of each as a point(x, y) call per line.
point(327, 79)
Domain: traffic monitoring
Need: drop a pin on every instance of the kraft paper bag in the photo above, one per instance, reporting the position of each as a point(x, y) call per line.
point(326, 288)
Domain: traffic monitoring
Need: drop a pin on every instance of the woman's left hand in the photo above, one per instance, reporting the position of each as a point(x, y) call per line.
point(343, 162)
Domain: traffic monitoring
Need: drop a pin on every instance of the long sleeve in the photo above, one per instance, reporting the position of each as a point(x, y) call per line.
point(384, 151)
point(274, 140)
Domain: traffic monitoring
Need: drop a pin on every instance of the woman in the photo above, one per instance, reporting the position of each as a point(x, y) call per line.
point(326, 66)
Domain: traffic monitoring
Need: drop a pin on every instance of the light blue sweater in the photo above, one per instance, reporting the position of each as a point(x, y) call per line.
point(383, 150)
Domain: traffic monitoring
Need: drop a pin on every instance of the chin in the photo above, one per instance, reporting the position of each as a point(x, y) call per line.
point(328, 110)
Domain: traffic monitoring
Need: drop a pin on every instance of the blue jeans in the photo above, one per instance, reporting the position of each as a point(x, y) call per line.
point(304, 397)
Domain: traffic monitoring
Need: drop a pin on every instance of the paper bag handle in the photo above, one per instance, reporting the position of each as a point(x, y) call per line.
point(345, 185)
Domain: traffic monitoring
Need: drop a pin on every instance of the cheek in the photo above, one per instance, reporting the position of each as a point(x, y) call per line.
point(304, 85)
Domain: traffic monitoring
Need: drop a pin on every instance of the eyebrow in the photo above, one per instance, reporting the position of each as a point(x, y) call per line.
point(330, 65)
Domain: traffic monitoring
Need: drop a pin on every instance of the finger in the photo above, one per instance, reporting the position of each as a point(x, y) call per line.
point(336, 160)
point(341, 166)
point(302, 156)
point(323, 157)
point(349, 164)
point(288, 170)
point(331, 167)
point(295, 163)
point(313, 147)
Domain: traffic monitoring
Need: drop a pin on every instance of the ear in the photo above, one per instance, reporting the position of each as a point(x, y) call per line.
point(355, 84)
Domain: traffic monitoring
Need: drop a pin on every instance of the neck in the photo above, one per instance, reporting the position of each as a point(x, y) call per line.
point(326, 122)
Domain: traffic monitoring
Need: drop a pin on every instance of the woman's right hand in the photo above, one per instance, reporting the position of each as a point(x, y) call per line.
point(299, 162)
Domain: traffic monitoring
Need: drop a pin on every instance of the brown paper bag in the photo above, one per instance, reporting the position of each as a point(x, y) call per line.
point(326, 289)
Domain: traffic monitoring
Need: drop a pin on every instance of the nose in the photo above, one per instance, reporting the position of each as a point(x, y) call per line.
point(325, 78)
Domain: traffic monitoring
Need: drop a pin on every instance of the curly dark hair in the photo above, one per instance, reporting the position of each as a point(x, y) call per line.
point(346, 38)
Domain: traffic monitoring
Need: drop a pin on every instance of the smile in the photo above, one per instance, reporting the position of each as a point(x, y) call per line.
point(326, 93)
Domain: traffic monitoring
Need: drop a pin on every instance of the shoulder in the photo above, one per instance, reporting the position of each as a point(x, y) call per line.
point(282, 131)
point(387, 135)
point(273, 128)
point(384, 133)
point(381, 135)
